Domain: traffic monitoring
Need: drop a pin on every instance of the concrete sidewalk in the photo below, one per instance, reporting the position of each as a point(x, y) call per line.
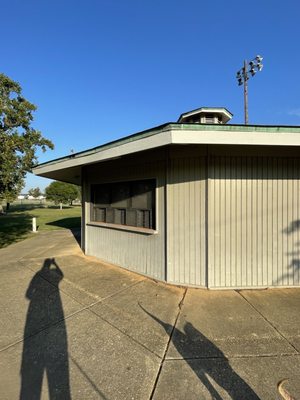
point(72, 327)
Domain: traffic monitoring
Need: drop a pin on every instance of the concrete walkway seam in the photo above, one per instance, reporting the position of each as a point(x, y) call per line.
point(180, 304)
point(84, 308)
point(269, 322)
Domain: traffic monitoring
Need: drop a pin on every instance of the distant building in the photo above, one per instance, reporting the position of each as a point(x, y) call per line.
point(199, 202)
point(29, 197)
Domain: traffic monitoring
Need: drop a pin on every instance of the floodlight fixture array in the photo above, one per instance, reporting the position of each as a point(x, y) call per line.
point(242, 76)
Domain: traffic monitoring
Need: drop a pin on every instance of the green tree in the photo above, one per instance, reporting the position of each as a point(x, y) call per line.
point(36, 192)
point(61, 192)
point(19, 141)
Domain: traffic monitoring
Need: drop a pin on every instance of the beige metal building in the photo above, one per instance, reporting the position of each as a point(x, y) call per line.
point(198, 202)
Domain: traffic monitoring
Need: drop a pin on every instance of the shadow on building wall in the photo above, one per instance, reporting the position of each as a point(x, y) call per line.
point(211, 364)
point(293, 269)
point(46, 352)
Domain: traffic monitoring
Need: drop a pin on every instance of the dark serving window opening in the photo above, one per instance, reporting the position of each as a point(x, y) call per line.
point(124, 203)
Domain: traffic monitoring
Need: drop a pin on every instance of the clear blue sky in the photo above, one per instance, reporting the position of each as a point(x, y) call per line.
point(99, 70)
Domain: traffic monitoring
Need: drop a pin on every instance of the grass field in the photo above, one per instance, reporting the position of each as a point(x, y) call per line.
point(16, 225)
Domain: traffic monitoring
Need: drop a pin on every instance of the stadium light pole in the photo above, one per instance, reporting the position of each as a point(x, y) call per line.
point(242, 76)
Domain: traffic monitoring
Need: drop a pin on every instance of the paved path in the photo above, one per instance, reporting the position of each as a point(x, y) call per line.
point(72, 327)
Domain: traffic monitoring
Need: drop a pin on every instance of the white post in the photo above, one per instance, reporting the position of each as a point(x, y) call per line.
point(34, 224)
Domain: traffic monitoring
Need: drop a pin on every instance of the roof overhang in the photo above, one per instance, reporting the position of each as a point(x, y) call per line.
point(68, 169)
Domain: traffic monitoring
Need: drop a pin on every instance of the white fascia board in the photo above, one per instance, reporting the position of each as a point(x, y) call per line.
point(174, 136)
point(236, 138)
point(150, 142)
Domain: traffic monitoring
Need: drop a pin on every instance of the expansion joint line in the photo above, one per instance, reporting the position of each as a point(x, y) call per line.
point(180, 304)
point(269, 322)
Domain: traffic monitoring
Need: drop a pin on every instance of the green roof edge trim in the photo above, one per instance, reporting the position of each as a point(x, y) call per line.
point(177, 126)
point(114, 143)
point(240, 128)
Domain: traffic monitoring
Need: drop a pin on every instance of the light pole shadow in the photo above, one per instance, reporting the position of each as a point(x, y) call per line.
point(214, 364)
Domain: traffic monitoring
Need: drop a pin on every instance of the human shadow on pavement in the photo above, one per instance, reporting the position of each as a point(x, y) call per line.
point(45, 351)
point(211, 364)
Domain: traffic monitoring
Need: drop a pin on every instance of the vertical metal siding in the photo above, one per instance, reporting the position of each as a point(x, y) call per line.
point(84, 201)
point(254, 222)
point(131, 250)
point(136, 251)
point(186, 221)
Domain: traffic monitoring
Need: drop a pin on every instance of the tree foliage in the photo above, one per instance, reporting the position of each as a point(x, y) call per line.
point(19, 141)
point(61, 192)
point(35, 192)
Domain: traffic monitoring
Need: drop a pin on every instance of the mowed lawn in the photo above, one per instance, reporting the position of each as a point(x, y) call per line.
point(16, 225)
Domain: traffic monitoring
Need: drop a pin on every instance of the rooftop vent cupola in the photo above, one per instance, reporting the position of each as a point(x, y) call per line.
point(206, 115)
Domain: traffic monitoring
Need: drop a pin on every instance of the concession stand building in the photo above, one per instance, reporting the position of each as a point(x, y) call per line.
point(199, 202)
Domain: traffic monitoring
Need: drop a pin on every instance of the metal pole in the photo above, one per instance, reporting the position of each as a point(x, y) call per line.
point(34, 224)
point(245, 92)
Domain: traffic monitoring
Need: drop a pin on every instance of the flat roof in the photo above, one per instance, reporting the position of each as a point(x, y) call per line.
point(174, 133)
